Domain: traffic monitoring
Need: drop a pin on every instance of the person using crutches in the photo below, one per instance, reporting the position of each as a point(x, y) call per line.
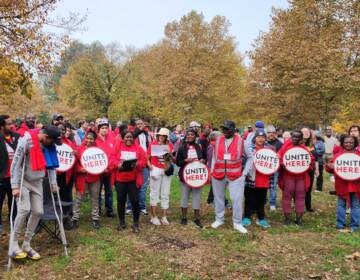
point(35, 156)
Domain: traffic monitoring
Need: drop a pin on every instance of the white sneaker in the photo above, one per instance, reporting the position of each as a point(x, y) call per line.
point(216, 224)
point(155, 221)
point(272, 208)
point(240, 228)
point(165, 221)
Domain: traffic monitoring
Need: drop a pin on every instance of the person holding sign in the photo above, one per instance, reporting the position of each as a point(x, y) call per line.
point(85, 180)
point(227, 171)
point(257, 184)
point(161, 169)
point(188, 152)
point(346, 185)
point(294, 178)
point(65, 173)
point(129, 159)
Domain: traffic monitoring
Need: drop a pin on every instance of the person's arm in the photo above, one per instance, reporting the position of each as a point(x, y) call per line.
point(249, 159)
point(180, 157)
point(17, 163)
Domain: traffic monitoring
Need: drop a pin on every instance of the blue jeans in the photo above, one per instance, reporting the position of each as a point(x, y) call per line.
point(105, 181)
point(142, 191)
point(355, 212)
point(273, 188)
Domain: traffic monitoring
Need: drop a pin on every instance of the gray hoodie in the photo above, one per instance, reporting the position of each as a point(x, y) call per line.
point(30, 176)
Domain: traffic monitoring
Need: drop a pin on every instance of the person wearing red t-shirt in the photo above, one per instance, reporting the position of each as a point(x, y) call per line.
point(159, 162)
point(293, 186)
point(347, 191)
point(256, 188)
point(85, 180)
point(8, 143)
point(129, 159)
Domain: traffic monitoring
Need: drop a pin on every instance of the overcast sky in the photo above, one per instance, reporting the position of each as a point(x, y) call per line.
point(141, 22)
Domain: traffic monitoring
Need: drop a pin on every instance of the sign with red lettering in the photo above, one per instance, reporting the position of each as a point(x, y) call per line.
point(66, 157)
point(266, 161)
point(347, 166)
point(297, 160)
point(94, 160)
point(196, 174)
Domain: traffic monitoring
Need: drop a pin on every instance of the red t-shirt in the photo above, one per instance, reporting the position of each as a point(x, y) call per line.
point(159, 161)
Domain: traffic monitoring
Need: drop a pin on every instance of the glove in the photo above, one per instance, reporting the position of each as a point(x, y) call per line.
point(54, 188)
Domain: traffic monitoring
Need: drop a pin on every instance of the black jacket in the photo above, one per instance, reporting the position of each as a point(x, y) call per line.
point(182, 155)
point(4, 157)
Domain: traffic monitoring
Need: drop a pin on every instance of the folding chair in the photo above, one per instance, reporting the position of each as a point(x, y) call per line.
point(48, 220)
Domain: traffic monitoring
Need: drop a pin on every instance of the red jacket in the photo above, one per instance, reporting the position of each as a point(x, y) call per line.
point(128, 176)
point(82, 178)
point(107, 144)
point(283, 172)
point(343, 187)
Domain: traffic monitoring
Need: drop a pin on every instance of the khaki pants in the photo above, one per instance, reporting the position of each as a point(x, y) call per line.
point(94, 189)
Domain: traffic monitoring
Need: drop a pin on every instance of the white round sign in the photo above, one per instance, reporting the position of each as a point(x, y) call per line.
point(297, 160)
point(347, 166)
point(266, 161)
point(94, 160)
point(196, 174)
point(66, 157)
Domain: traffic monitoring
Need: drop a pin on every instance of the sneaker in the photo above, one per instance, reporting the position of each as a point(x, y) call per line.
point(217, 224)
point(95, 224)
point(311, 210)
point(110, 214)
point(317, 191)
point(198, 223)
point(75, 224)
point(165, 221)
point(263, 223)
point(287, 221)
point(183, 221)
point(32, 254)
point(121, 226)
point(155, 221)
point(332, 192)
point(298, 221)
point(348, 211)
point(240, 228)
point(246, 222)
point(1, 229)
point(144, 212)
point(272, 208)
point(68, 224)
point(128, 212)
point(135, 228)
point(344, 230)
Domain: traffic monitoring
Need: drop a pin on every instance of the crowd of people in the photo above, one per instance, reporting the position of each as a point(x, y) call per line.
point(28, 155)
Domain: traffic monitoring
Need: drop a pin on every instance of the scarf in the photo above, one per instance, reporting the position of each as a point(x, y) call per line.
point(42, 157)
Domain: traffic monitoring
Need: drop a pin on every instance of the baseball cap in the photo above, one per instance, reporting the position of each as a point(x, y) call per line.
point(270, 128)
point(195, 124)
point(53, 132)
point(259, 124)
point(260, 132)
point(229, 125)
point(57, 116)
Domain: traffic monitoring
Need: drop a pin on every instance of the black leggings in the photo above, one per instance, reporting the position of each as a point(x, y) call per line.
point(308, 193)
point(122, 190)
point(5, 189)
point(255, 199)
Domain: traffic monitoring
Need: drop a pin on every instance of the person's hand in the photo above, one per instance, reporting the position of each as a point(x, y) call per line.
point(120, 165)
point(202, 160)
point(82, 170)
point(330, 165)
point(133, 165)
point(54, 188)
point(15, 192)
point(316, 172)
point(189, 160)
point(150, 166)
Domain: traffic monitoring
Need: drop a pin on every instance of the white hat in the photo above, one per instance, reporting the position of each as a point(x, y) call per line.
point(164, 131)
point(195, 124)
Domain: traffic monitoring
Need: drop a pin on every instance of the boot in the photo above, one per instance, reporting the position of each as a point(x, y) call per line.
point(287, 220)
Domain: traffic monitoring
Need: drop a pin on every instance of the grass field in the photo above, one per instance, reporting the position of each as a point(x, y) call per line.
point(314, 251)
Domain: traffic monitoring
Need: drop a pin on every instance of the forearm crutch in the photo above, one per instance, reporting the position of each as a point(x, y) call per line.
point(59, 219)
point(11, 239)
